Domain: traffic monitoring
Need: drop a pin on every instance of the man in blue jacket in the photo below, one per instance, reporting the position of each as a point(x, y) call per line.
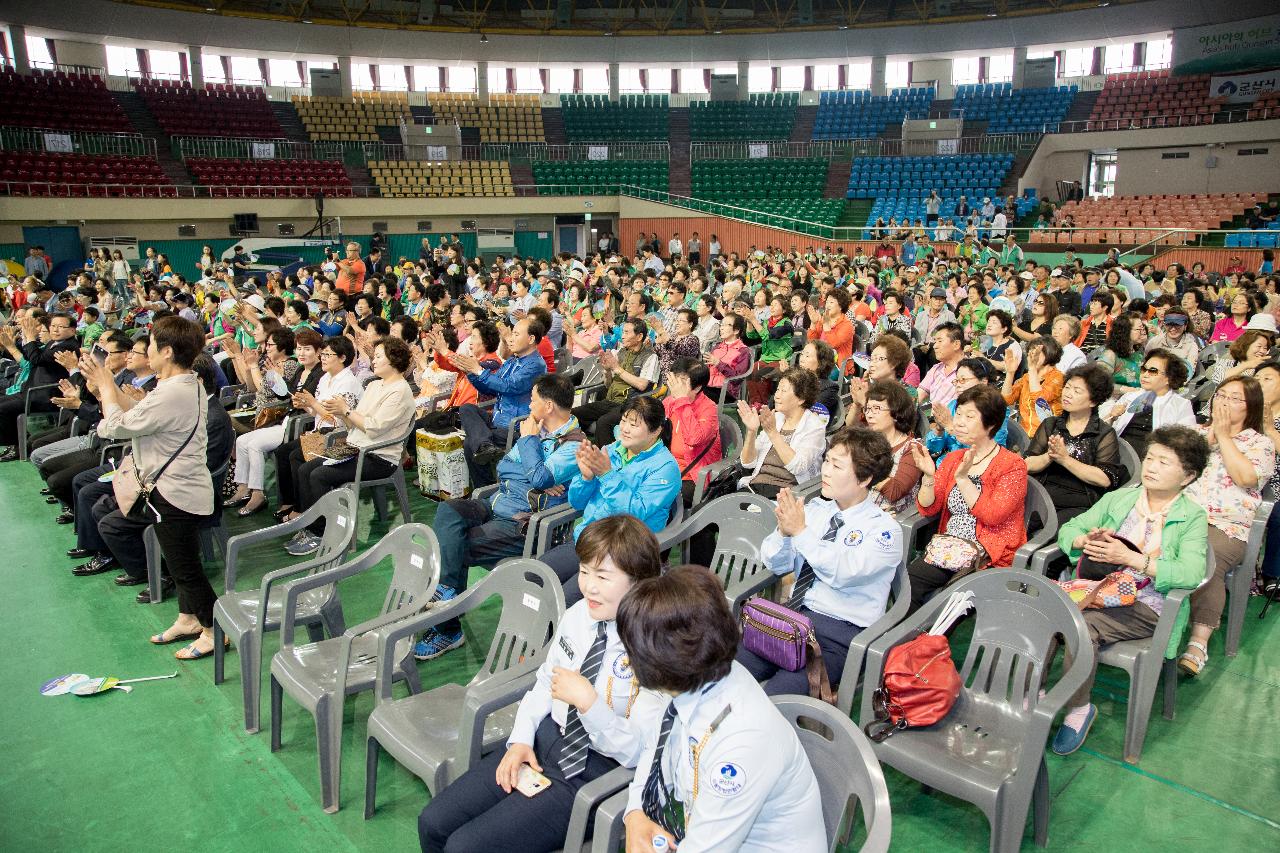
point(532, 476)
point(635, 475)
point(512, 383)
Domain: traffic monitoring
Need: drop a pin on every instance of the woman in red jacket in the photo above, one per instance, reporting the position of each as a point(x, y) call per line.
point(978, 490)
point(695, 423)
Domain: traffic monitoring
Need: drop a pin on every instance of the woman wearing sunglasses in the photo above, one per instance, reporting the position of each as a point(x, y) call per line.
point(1136, 414)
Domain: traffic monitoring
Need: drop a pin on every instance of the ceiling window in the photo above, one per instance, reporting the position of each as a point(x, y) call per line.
point(426, 78)
point(165, 63)
point(897, 74)
point(629, 80)
point(791, 78)
point(659, 81)
point(1159, 54)
point(859, 75)
point(38, 51)
point(1077, 62)
point(1117, 58)
point(121, 61)
point(965, 70)
point(497, 79)
point(461, 78)
point(561, 81)
point(283, 72)
point(528, 81)
point(211, 68)
point(245, 69)
point(361, 76)
point(826, 77)
point(759, 78)
point(692, 81)
point(595, 79)
point(1000, 68)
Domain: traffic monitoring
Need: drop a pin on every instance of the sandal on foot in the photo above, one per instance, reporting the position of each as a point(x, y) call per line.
point(162, 640)
point(192, 653)
point(1189, 663)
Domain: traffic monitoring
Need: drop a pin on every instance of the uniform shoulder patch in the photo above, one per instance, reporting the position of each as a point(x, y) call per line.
point(728, 779)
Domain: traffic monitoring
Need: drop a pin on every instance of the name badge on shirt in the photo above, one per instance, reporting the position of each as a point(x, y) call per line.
point(567, 649)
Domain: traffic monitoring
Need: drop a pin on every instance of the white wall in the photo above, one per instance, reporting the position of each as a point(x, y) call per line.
point(124, 23)
point(92, 54)
point(1141, 170)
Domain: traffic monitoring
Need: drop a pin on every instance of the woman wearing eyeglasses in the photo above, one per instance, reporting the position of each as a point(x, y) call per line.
point(1136, 414)
point(1241, 460)
point(1044, 308)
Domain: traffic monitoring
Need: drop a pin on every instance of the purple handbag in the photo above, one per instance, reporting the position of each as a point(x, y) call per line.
point(785, 638)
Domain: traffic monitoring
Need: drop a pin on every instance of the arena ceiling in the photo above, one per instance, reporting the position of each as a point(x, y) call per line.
point(623, 17)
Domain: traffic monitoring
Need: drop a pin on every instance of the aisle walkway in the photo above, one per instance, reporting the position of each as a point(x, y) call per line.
point(170, 768)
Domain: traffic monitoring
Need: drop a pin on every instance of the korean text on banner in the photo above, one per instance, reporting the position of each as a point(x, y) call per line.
point(1234, 46)
point(598, 152)
point(1244, 88)
point(263, 150)
point(59, 142)
point(758, 149)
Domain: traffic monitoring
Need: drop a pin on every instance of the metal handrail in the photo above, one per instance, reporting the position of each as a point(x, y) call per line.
point(236, 148)
point(1226, 114)
point(83, 142)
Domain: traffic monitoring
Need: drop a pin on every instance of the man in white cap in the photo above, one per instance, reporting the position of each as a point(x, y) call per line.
point(988, 210)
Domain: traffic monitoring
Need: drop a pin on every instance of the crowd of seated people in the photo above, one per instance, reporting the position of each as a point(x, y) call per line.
point(880, 391)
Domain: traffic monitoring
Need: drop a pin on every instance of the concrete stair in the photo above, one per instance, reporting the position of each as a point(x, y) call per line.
point(1082, 106)
point(522, 180)
point(680, 177)
point(553, 126)
point(290, 122)
point(802, 130)
point(837, 179)
point(145, 123)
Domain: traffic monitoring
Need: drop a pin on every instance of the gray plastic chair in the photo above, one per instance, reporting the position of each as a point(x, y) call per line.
point(1239, 578)
point(395, 480)
point(1037, 503)
point(1132, 464)
point(809, 488)
point(24, 419)
point(212, 533)
point(1018, 440)
point(848, 771)
point(743, 520)
point(989, 750)
point(730, 449)
point(900, 593)
point(729, 380)
point(438, 735)
point(319, 676)
point(1145, 661)
point(245, 615)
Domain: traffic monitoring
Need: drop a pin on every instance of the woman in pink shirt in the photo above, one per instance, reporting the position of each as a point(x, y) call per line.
point(728, 358)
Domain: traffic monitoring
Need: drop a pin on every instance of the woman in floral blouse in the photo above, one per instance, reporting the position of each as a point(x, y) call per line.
point(1241, 462)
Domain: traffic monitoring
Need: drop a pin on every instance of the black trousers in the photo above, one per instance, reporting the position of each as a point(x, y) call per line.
point(474, 814)
point(315, 479)
point(49, 436)
point(60, 472)
point(289, 459)
point(477, 424)
point(178, 533)
point(834, 636)
point(86, 492)
point(926, 579)
point(600, 415)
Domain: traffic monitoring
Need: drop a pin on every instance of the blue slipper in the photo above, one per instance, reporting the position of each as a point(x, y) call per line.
point(192, 653)
point(1068, 740)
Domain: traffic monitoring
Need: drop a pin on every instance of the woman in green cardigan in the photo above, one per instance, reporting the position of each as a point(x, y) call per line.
point(1172, 536)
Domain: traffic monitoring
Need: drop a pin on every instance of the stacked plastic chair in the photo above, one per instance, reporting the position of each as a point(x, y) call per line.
point(859, 114)
point(1009, 110)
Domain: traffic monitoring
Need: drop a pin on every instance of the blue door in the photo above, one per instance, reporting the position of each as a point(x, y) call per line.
point(62, 243)
point(568, 241)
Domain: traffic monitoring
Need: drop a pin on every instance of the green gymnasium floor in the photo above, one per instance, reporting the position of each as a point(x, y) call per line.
point(170, 768)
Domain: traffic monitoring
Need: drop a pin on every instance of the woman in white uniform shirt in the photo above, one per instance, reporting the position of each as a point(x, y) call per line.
point(844, 550)
point(582, 718)
point(722, 769)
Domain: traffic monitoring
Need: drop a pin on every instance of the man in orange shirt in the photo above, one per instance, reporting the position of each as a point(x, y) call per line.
point(351, 271)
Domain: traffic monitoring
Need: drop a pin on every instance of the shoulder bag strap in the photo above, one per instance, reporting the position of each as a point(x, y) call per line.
point(815, 669)
point(160, 473)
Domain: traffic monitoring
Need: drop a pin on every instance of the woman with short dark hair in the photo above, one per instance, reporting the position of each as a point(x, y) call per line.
point(1038, 392)
point(169, 433)
point(979, 491)
point(1075, 455)
point(584, 716)
point(783, 448)
point(891, 412)
point(704, 752)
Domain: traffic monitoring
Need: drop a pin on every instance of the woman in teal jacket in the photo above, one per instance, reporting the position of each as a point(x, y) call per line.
point(1172, 536)
point(636, 475)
